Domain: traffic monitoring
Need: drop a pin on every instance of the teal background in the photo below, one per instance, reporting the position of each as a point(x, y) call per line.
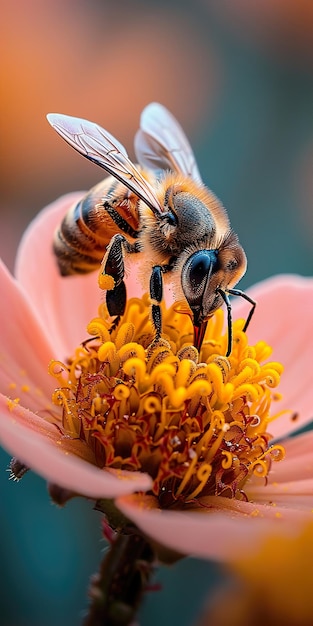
point(255, 150)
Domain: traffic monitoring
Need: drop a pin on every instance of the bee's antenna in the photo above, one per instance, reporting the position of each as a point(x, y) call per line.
point(229, 319)
point(235, 292)
point(238, 292)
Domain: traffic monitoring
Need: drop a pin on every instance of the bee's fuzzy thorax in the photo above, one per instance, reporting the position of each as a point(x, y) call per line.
point(172, 184)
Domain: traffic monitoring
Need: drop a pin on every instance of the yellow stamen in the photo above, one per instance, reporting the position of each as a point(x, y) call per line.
point(228, 461)
point(99, 328)
point(188, 474)
point(197, 423)
point(59, 397)
point(203, 474)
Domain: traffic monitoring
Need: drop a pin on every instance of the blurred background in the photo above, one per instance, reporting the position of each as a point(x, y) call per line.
point(238, 75)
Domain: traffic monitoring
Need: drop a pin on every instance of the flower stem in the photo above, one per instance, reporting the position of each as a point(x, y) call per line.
point(117, 590)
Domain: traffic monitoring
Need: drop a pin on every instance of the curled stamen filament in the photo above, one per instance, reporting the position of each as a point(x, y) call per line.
point(60, 375)
point(203, 474)
point(188, 474)
point(261, 462)
point(228, 460)
point(217, 421)
point(59, 397)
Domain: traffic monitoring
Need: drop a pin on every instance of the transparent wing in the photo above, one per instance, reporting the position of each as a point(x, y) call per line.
point(161, 143)
point(100, 147)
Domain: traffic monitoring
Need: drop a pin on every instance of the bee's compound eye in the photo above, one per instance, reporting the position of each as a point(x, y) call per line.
point(199, 267)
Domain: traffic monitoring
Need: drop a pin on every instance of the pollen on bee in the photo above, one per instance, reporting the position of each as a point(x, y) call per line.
point(106, 282)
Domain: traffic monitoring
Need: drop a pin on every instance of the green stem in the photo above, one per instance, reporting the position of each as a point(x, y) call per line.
point(117, 590)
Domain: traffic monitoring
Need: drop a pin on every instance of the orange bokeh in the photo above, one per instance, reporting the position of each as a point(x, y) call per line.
point(101, 62)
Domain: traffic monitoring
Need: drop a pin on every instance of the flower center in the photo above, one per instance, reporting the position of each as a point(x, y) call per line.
point(196, 423)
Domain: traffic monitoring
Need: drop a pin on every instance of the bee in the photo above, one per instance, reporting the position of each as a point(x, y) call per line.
point(160, 208)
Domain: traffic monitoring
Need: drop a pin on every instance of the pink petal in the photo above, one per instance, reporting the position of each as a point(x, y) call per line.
point(298, 446)
point(65, 305)
point(25, 349)
point(221, 530)
point(297, 494)
point(14, 412)
point(56, 458)
point(283, 318)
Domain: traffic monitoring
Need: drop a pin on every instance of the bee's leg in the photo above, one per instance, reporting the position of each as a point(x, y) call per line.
point(156, 295)
point(112, 273)
point(116, 303)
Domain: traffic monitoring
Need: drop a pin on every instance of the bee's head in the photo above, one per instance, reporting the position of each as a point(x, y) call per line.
point(205, 274)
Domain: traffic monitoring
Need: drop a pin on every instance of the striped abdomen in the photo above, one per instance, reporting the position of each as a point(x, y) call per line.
point(87, 228)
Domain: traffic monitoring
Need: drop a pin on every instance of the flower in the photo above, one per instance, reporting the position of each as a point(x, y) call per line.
point(199, 490)
point(272, 586)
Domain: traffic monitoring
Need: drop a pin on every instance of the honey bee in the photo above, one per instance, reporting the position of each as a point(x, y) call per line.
point(159, 207)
